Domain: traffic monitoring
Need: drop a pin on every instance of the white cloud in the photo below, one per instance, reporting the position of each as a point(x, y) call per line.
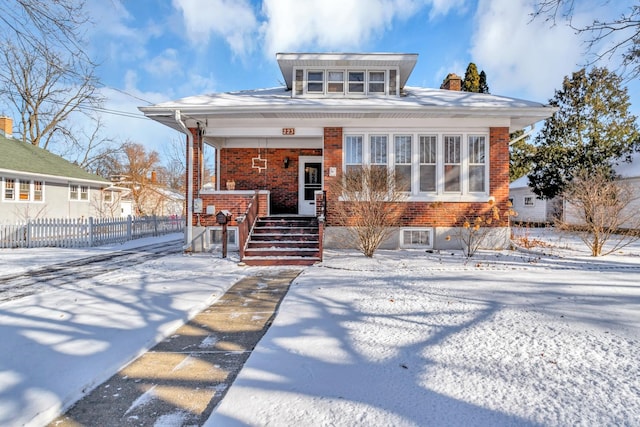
point(167, 63)
point(519, 55)
point(233, 20)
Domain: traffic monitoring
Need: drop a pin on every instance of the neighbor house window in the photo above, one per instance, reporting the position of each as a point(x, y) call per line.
point(452, 166)
point(25, 190)
point(428, 161)
point(402, 152)
point(476, 163)
point(528, 200)
point(416, 238)
point(356, 81)
point(315, 81)
point(335, 82)
point(9, 189)
point(84, 192)
point(376, 81)
point(108, 196)
point(38, 191)
point(74, 192)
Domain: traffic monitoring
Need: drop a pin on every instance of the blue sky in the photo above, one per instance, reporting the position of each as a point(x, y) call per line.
point(152, 51)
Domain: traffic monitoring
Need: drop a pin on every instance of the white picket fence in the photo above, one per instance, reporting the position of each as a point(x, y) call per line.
point(85, 232)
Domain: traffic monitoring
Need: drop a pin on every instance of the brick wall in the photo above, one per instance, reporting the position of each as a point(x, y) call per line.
point(236, 164)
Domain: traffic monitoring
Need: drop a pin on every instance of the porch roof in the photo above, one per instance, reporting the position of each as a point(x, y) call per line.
point(415, 102)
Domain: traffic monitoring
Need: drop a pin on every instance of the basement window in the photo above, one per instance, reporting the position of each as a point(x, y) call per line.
point(216, 237)
point(416, 238)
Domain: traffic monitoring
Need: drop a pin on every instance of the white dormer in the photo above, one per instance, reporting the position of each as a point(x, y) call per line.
point(348, 75)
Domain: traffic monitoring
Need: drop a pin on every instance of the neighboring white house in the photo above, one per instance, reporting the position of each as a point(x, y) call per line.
point(530, 208)
point(35, 183)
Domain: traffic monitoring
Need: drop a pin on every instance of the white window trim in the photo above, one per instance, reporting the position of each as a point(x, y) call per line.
point(439, 195)
point(345, 93)
point(406, 245)
point(16, 190)
point(79, 196)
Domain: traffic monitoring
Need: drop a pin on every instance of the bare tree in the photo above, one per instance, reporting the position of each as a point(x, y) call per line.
point(372, 205)
point(603, 207)
point(45, 74)
point(138, 168)
point(624, 31)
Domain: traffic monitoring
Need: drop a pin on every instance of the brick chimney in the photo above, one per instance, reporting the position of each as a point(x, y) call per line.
point(6, 126)
point(452, 82)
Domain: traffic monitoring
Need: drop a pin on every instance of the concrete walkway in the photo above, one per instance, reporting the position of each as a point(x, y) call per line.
point(182, 379)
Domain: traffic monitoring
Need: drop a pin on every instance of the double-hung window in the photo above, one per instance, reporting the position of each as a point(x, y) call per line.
point(335, 81)
point(315, 82)
point(376, 81)
point(25, 191)
point(452, 163)
point(9, 189)
point(353, 161)
point(476, 164)
point(73, 192)
point(378, 150)
point(84, 192)
point(38, 191)
point(402, 151)
point(356, 81)
point(428, 162)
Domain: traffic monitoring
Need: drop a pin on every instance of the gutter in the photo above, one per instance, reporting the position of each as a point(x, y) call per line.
point(185, 129)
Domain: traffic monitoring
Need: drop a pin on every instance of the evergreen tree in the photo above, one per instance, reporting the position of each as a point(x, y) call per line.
point(484, 86)
point(520, 156)
point(471, 82)
point(591, 130)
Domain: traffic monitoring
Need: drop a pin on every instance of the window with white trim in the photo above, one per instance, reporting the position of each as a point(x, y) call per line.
point(25, 191)
point(73, 192)
point(429, 166)
point(356, 81)
point(335, 82)
point(402, 151)
point(38, 191)
point(107, 196)
point(84, 192)
point(376, 82)
point(428, 162)
point(9, 189)
point(416, 238)
point(315, 81)
point(476, 150)
point(452, 163)
point(353, 152)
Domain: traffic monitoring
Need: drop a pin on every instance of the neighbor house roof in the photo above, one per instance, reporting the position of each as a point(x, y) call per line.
point(521, 182)
point(20, 157)
point(415, 102)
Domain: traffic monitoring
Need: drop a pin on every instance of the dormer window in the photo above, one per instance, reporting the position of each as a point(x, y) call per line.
point(334, 75)
point(335, 82)
point(356, 81)
point(315, 82)
point(376, 81)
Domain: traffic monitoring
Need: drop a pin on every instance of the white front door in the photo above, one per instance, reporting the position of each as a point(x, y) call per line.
point(309, 181)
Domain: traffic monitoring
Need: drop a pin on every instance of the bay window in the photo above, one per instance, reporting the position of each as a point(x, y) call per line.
point(403, 162)
point(476, 163)
point(428, 160)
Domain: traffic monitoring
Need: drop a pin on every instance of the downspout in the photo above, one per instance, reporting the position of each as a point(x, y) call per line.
point(186, 130)
point(524, 135)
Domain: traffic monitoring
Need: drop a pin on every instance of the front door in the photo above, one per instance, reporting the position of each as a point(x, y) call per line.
point(309, 181)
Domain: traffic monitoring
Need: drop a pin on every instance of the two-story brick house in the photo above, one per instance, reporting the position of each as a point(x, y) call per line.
point(283, 146)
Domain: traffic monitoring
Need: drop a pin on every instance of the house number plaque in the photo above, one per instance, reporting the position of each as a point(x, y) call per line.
point(288, 131)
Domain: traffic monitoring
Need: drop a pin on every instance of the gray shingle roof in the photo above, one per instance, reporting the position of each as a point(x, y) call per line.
point(18, 156)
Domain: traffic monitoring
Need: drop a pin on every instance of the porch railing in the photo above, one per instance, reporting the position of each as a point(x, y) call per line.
point(246, 223)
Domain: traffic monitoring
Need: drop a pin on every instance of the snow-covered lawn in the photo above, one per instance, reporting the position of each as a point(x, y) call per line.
point(415, 339)
point(550, 337)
